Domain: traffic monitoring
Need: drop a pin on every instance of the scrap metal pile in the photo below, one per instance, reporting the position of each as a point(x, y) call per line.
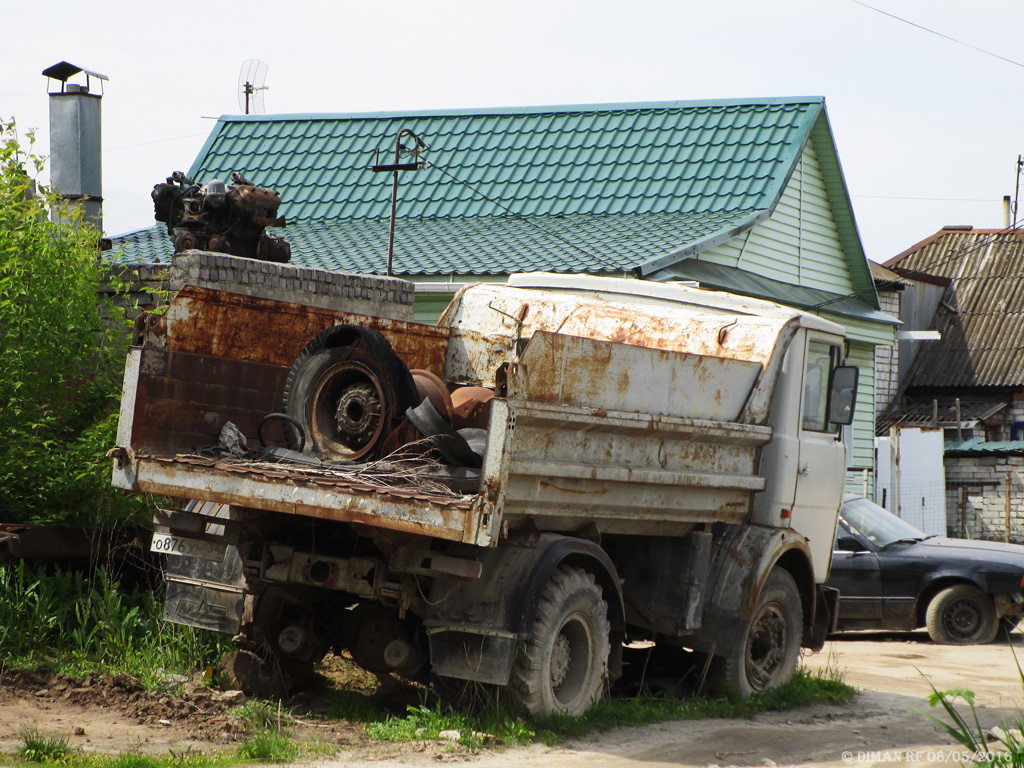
point(351, 406)
point(226, 218)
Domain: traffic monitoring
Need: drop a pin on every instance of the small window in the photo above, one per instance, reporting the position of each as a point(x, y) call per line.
point(817, 375)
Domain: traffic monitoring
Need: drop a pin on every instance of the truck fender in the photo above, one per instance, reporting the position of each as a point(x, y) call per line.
point(741, 559)
point(474, 627)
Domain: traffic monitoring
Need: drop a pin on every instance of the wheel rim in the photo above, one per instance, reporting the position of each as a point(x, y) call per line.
point(348, 406)
point(962, 619)
point(766, 647)
point(570, 660)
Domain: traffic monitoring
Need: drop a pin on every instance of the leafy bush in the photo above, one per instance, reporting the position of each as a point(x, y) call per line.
point(61, 355)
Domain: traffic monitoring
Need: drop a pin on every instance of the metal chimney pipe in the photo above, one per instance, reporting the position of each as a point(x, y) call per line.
point(1007, 221)
point(76, 172)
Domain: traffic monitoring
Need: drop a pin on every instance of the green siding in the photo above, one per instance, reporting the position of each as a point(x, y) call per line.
point(855, 483)
point(858, 329)
point(800, 243)
point(427, 307)
point(862, 355)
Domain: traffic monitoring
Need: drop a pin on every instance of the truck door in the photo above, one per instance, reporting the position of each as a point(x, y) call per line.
point(821, 466)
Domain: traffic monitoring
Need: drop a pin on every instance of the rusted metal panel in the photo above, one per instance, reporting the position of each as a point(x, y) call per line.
point(182, 400)
point(453, 519)
point(555, 368)
point(238, 327)
point(628, 424)
point(626, 472)
point(487, 318)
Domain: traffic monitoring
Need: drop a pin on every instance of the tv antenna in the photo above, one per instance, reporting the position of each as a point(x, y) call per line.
point(251, 85)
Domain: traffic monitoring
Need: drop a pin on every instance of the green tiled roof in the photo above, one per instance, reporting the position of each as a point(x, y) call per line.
point(594, 188)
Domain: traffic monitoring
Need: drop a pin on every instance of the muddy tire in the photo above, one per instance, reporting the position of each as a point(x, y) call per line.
point(768, 654)
point(961, 615)
point(563, 667)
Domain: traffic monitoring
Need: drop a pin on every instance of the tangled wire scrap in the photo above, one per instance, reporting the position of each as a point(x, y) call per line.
point(412, 467)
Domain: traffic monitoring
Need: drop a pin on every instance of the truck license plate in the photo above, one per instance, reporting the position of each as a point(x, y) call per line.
point(169, 544)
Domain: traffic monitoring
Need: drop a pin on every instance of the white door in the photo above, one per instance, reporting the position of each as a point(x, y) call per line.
point(821, 467)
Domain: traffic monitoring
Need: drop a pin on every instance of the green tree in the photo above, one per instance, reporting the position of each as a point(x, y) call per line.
point(61, 355)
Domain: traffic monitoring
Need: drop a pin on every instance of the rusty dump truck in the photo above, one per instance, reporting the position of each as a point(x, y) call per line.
point(563, 465)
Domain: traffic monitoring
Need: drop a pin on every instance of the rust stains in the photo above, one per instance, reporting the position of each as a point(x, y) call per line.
point(231, 325)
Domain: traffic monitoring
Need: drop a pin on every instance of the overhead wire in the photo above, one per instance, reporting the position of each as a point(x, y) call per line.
point(938, 34)
point(599, 259)
point(923, 269)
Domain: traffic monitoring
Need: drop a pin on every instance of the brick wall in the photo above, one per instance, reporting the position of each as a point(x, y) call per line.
point(360, 294)
point(976, 491)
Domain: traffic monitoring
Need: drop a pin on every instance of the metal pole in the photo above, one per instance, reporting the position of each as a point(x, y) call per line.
point(394, 190)
point(394, 204)
point(1016, 192)
point(963, 511)
point(1008, 488)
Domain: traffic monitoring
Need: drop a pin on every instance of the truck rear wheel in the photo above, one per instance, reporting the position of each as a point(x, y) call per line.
point(562, 668)
point(770, 649)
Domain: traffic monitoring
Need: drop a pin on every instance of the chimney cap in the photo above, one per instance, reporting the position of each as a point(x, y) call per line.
point(63, 70)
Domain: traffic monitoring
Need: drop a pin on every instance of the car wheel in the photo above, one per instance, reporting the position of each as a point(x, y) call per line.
point(562, 668)
point(961, 615)
point(770, 650)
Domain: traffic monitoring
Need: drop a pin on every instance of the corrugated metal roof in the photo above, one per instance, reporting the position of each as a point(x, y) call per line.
point(666, 175)
point(981, 317)
point(979, 447)
point(886, 277)
point(474, 245)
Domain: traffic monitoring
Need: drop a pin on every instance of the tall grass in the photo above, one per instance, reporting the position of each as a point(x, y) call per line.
point(38, 747)
point(78, 622)
point(498, 721)
point(967, 730)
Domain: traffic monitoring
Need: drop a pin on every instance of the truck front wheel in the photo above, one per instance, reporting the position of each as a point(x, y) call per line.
point(770, 649)
point(562, 668)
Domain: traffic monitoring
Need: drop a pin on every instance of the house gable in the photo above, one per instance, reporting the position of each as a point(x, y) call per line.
point(799, 242)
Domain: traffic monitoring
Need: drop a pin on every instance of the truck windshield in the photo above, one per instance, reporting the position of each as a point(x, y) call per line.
point(876, 524)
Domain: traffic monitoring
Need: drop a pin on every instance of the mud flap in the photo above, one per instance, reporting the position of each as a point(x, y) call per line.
point(826, 614)
point(204, 606)
point(471, 656)
point(206, 585)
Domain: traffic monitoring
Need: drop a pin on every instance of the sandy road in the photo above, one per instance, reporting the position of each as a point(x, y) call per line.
point(883, 726)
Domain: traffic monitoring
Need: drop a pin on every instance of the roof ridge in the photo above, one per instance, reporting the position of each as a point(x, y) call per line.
point(649, 106)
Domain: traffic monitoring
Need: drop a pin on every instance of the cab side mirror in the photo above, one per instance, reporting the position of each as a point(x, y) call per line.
point(843, 394)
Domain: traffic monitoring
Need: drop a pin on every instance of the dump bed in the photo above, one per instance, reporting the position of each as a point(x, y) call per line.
point(632, 418)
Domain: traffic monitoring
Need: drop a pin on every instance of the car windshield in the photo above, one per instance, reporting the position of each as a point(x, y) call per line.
point(876, 524)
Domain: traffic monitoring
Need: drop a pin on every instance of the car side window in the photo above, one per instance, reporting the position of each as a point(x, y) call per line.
point(820, 360)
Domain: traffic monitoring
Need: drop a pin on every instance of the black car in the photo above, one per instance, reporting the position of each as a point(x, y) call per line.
point(892, 576)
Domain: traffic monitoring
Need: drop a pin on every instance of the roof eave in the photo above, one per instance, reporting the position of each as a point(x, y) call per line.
point(842, 210)
point(713, 240)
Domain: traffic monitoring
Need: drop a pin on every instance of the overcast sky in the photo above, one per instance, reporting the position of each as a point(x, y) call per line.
point(928, 130)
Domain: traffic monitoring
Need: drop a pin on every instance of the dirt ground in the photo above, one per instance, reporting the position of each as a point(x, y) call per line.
point(884, 725)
